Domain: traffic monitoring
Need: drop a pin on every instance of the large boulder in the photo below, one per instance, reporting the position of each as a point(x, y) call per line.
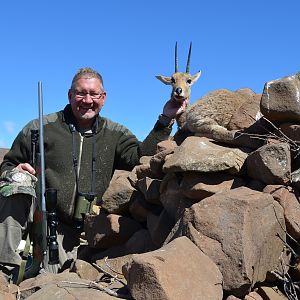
point(203, 155)
point(178, 270)
point(238, 230)
point(280, 100)
point(271, 164)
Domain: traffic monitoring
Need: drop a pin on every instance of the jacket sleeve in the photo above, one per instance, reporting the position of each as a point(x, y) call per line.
point(158, 134)
point(130, 150)
point(19, 151)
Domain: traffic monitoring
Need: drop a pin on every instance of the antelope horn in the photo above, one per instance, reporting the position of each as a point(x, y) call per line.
point(189, 59)
point(176, 59)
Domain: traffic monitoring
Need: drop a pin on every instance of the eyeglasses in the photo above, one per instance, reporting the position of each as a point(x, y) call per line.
point(94, 96)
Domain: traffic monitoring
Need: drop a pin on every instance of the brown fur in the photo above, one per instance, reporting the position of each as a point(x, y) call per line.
point(211, 114)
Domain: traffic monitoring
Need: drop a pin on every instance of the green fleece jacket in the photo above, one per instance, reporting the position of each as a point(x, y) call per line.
point(116, 148)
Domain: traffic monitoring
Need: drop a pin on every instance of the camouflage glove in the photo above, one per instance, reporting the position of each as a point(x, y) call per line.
point(17, 182)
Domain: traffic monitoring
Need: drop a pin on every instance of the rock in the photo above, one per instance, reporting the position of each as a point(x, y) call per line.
point(238, 230)
point(288, 200)
point(231, 297)
point(71, 291)
point(157, 161)
point(178, 270)
point(84, 270)
point(198, 185)
point(291, 130)
point(140, 208)
point(150, 189)
point(291, 133)
point(7, 296)
point(8, 291)
point(280, 99)
point(202, 155)
point(270, 164)
point(166, 145)
point(142, 171)
point(256, 185)
point(172, 199)
point(117, 197)
point(145, 160)
point(104, 231)
point(272, 293)
point(253, 296)
point(31, 285)
point(139, 242)
point(159, 227)
point(114, 265)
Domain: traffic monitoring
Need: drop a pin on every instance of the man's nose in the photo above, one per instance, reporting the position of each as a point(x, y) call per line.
point(88, 98)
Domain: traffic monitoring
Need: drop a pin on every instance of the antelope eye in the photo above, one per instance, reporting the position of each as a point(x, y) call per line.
point(189, 81)
point(172, 80)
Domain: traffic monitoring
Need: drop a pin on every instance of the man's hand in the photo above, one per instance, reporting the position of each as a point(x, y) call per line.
point(174, 108)
point(26, 167)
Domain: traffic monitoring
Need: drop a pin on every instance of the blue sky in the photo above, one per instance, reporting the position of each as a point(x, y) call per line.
point(236, 44)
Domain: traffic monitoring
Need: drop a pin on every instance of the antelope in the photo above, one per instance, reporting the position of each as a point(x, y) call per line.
point(181, 83)
point(210, 115)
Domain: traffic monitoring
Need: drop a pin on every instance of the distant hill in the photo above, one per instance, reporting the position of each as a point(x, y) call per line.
point(2, 153)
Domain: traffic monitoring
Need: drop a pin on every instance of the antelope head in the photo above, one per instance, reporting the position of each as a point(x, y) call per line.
point(181, 81)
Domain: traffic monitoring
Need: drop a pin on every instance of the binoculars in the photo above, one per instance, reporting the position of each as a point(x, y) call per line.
point(83, 205)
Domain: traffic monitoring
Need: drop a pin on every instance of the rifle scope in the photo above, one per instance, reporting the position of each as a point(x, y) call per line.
point(51, 201)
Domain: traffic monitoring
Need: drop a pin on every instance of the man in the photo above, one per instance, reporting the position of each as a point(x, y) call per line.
point(75, 139)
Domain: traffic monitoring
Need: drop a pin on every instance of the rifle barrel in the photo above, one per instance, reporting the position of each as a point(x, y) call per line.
point(42, 152)
point(42, 174)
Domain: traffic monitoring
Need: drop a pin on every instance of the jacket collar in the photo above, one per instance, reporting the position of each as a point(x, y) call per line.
point(68, 118)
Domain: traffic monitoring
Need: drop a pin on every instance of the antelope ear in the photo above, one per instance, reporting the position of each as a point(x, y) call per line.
point(164, 79)
point(196, 77)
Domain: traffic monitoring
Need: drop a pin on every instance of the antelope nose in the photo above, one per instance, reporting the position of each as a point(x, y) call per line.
point(178, 91)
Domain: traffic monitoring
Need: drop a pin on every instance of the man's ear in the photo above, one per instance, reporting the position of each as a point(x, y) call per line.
point(103, 98)
point(69, 95)
point(164, 79)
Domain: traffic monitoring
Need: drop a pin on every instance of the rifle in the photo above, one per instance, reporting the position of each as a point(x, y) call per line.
point(43, 232)
point(41, 197)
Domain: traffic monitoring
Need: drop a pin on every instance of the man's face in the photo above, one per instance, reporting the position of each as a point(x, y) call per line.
point(86, 100)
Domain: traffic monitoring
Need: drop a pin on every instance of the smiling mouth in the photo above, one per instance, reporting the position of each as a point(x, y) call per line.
point(84, 108)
